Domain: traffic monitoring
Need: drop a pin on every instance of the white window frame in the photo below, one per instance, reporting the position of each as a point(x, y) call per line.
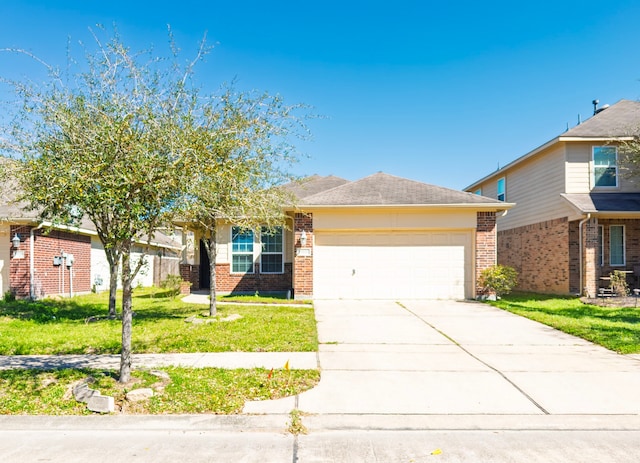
point(593, 163)
point(502, 180)
point(601, 245)
point(263, 253)
point(242, 253)
point(478, 192)
point(624, 257)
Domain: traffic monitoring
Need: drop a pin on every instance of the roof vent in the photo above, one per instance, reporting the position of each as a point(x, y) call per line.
point(596, 110)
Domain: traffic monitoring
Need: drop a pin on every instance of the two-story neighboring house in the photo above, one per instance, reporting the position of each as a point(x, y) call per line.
point(577, 215)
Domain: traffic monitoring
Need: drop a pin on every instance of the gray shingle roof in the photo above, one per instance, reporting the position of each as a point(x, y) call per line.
point(314, 184)
point(605, 202)
point(384, 189)
point(619, 120)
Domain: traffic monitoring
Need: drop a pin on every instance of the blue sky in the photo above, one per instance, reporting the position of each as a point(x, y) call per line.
point(440, 92)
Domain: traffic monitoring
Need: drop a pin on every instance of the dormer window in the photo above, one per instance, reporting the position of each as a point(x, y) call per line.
point(605, 166)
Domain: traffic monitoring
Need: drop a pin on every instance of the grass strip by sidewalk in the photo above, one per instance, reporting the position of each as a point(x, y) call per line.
point(189, 391)
point(616, 328)
point(79, 326)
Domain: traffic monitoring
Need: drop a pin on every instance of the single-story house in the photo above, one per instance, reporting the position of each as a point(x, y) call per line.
point(577, 216)
point(381, 237)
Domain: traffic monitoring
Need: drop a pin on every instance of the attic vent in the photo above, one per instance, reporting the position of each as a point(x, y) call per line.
point(597, 110)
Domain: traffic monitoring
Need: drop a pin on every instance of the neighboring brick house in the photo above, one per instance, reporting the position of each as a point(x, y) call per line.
point(577, 218)
point(381, 237)
point(39, 259)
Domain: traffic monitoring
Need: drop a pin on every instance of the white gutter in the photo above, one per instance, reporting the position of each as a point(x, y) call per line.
point(580, 246)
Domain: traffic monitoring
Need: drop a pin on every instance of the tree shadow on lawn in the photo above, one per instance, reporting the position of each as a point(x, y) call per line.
point(53, 310)
point(50, 311)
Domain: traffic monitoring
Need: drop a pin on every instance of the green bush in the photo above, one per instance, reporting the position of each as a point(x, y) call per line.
point(172, 284)
point(498, 280)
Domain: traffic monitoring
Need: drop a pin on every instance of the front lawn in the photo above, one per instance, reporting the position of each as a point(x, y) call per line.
point(616, 328)
point(79, 326)
point(188, 390)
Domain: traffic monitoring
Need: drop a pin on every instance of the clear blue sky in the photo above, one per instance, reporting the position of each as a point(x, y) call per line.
point(440, 92)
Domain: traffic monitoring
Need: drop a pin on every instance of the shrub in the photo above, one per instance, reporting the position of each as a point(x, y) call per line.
point(9, 297)
point(498, 280)
point(619, 285)
point(172, 284)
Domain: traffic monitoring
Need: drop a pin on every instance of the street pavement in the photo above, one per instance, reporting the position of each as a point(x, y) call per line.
point(408, 382)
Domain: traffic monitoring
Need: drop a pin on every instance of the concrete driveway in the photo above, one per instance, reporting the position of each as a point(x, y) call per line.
point(457, 358)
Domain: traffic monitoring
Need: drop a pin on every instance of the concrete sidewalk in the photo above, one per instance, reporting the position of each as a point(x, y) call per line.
point(425, 358)
point(268, 360)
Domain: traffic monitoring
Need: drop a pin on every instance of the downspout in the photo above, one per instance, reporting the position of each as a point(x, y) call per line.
point(580, 257)
point(32, 272)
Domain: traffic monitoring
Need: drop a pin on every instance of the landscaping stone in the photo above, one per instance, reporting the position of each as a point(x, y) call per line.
point(82, 392)
point(138, 395)
point(101, 403)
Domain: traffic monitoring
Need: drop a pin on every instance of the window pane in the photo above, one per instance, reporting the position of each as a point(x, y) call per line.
point(242, 240)
point(604, 176)
point(272, 263)
point(501, 189)
point(605, 163)
point(616, 244)
point(271, 240)
point(242, 263)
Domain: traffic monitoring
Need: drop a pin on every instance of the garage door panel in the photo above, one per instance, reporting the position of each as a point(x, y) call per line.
point(392, 266)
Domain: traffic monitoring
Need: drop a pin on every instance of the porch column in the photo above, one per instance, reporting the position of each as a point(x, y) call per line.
point(303, 256)
point(590, 257)
point(486, 239)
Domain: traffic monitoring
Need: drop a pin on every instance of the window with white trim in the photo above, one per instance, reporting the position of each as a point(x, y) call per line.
point(478, 192)
point(600, 245)
point(272, 257)
point(605, 166)
point(616, 245)
point(241, 250)
point(501, 189)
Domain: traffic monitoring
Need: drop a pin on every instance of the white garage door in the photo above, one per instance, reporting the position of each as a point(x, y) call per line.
point(427, 265)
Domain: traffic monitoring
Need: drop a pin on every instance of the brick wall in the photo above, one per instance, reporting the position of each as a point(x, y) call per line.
point(303, 264)
point(540, 254)
point(191, 273)
point(485, 242)
point(228, 282)
point(48, 278)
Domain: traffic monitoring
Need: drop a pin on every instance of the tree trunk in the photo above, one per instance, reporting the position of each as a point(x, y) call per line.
point(113, 288)
point(113, 258)
point(212, 252)
point(125, 355)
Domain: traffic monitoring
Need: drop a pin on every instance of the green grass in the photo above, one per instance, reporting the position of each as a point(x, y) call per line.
point(61, 327)
point(202, 390)
point(616, 328)
point(260, 299)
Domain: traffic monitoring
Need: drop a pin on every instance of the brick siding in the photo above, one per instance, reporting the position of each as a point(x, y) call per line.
point(485, 242)
point(50, 279)
point(303, 264)
point(539, 253)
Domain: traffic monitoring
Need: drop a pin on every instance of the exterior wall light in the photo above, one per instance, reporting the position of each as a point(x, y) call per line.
point(16, 241)
point(303, 239)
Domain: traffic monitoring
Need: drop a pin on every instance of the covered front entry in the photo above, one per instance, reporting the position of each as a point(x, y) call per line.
point(393, 265)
